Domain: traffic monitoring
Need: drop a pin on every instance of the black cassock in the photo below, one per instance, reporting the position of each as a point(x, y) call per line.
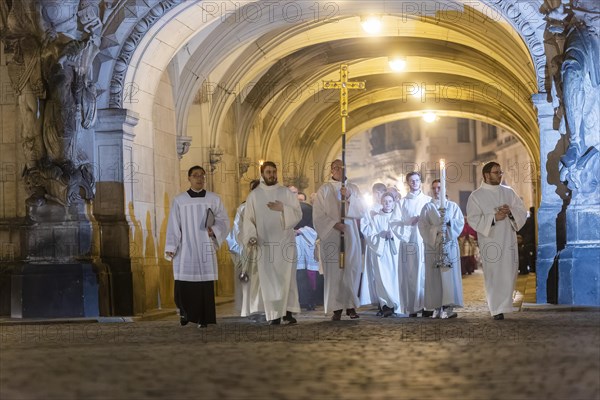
point(196, 300)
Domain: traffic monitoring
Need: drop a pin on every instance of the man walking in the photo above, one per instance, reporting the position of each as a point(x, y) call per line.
point(198, 225)
point(341, 284)
point(497, 213)
point(272, 211)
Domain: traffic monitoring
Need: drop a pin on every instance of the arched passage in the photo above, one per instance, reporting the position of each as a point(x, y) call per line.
point(245, 85)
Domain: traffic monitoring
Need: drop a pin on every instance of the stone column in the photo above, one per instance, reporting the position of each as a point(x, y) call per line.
point(114, 153)
point(551, 215)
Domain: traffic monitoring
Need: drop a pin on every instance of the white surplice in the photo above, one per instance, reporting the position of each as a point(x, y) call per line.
point(411, 263)
point(341, 285)
point(443, 286)
point(385, 259)
point(276, 246)
point(305, 245)
point(497, 242)
point(368, 291)
point(195, 253)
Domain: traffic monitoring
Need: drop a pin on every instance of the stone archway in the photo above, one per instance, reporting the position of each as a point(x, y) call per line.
point(221, 83)
point(525, 19)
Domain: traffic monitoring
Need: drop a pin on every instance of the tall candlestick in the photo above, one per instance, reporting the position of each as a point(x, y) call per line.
point(442, 183)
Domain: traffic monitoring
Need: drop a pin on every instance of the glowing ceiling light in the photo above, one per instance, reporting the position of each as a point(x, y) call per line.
point(371, 24)
point(429, 117)
point(397, 63)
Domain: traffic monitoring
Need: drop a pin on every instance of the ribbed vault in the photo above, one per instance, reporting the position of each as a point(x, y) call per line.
point(480, 70)
point(481, 63)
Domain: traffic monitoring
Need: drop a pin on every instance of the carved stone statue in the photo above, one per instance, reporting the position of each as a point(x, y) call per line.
point(55, 43)
point(577, 21)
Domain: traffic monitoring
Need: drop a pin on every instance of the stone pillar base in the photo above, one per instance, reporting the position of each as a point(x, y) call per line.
point(579, 274)
point(56, 291)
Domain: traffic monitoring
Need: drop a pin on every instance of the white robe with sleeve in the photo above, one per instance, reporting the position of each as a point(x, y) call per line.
point(195, 253)
point(385, 259)
point(305, 245)
point(341, 285)
point(411, 263)
point(368, 291)
point(247, 294)
point(498, 242)
point(276, 246)
point(443, 286)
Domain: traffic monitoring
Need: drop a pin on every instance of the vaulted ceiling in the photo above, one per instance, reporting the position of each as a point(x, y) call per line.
point(268, 62)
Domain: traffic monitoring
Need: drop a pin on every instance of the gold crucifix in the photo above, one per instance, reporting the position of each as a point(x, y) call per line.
point(343, 85)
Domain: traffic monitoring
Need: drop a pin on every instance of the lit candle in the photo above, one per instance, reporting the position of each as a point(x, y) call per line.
point(442, 183)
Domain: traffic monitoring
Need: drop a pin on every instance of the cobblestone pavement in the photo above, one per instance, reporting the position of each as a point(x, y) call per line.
point(529, 355)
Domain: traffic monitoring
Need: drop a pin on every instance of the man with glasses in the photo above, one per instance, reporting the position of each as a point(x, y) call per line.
point(497, 213)
point(198, 225)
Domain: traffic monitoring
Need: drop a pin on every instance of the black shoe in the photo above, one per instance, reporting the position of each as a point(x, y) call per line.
point(449, 315)
point(337, 315)
point(412, 315)
point(183, 321)
point(427, 314)
point(202, 326)
point(289, 318)
point(498, 317)
point(275, 321)
point(351, 312)
point(387, 311)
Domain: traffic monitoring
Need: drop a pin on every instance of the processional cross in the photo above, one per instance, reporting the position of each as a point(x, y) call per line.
point(343, 85)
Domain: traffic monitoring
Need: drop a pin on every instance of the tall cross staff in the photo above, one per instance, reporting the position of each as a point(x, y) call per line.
point(343, 85)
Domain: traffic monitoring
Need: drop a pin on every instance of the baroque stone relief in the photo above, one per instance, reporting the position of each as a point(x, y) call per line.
point(55, 43)
point(576, 94)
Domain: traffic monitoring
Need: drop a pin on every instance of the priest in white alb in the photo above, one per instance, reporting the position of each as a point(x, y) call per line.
point(198, 225)
point(248, 299)
point(496, 212)
point(341, 284)
point(272, 211)
point(443, 282)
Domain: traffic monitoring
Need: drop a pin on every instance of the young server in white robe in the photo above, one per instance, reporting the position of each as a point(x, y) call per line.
point(368, 292)
point(198, 224)
point(272, 211)
point(411, 263)
point(248, 299)
point(496, 212)
point(341, 285)
point(383, 243)
point(443, 285)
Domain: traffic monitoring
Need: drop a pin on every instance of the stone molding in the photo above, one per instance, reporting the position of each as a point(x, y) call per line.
point(130, 45)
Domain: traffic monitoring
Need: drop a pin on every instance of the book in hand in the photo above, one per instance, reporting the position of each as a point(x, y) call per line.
point(210, 218)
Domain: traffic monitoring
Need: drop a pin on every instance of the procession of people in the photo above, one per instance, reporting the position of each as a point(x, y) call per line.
point(403, 256)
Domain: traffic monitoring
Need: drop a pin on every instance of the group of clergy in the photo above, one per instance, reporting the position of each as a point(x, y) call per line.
point(410, 265)
point(412, 261)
